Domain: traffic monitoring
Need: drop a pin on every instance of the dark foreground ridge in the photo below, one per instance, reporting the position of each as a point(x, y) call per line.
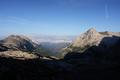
point(36, 69)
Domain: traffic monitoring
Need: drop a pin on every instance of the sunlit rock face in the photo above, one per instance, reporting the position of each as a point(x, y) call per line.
point(88, 38)
point(94, 38)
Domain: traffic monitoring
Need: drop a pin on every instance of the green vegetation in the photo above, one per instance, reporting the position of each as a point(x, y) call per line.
point(42, 51)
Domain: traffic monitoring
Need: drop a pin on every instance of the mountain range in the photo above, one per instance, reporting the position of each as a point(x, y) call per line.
point(92, 55)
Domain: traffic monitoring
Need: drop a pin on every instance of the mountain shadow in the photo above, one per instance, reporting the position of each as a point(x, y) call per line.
point(41, 69)
point(106, 53)
point(35, 69)
point(98, 62)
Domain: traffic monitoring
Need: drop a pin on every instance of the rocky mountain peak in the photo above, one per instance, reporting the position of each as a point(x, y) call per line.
point(94, 38)
point(91, 30)
point(91, 33)
point(88, 38)
point(17, 42)
point(17, 37)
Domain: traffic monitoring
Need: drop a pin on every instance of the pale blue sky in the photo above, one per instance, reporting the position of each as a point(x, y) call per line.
point(58, 17)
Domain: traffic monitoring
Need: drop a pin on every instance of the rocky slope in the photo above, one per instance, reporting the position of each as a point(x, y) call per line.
point(15, 42)
point(94, 47)
point(92, 38)
point(17, 47)
point(18, 55)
